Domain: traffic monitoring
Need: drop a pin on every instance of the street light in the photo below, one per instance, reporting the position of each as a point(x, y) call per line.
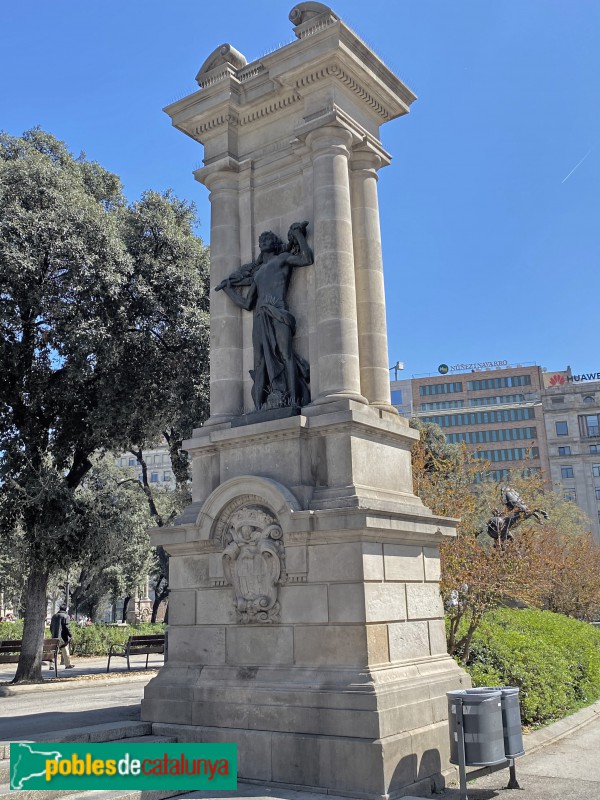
point(399, 365)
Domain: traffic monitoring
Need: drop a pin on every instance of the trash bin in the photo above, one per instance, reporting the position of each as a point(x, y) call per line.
point(511, 718)
point(482, 727)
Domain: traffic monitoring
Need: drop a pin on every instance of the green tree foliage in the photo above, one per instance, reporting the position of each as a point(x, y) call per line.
point(103, 319)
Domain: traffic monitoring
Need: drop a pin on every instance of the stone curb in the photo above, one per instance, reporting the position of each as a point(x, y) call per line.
point(74, 683)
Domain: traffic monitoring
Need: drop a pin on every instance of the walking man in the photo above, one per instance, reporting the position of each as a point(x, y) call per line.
point(59, 629)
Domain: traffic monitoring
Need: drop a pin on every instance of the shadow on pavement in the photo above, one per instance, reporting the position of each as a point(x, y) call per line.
point(28, 725)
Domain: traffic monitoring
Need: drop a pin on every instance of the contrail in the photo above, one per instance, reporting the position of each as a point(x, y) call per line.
point(578, 164)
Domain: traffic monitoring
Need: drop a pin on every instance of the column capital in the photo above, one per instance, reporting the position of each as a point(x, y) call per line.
point(221, 174)
point(330, 137)
point(365, 159)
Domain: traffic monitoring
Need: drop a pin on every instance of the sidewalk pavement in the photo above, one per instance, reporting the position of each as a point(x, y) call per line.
point(560, 763)
point(85, 669)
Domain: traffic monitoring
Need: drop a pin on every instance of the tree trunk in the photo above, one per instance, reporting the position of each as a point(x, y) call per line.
point(125, 607)
point(159, 596)
point(29, 668)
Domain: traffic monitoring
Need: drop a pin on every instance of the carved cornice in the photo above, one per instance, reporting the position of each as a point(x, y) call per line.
point(337, 72)
point(269, 108)
point(228, 117)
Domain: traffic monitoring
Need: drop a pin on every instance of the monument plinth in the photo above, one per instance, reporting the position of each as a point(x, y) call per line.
point(305, 621)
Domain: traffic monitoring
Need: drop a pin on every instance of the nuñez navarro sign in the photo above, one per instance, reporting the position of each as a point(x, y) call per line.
point(478, 365)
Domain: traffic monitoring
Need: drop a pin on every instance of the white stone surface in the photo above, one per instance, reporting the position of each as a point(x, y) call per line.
point(346, 602)
point(215, 606)
point(408, 640)
point(303, 603)
point(385, 602)
point(251, 645)
point(423, 601)
point(182, 607)
point(403, 562)
point(373, 561)
point(431, 556)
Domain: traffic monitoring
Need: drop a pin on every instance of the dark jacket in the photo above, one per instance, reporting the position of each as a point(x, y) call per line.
point(59, 626)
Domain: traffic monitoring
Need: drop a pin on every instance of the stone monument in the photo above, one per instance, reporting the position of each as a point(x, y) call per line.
point(305, 620)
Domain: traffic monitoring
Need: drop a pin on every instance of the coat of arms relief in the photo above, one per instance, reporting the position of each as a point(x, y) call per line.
point(254, 563)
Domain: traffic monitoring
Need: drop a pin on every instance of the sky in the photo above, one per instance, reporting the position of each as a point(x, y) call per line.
point(490, 209)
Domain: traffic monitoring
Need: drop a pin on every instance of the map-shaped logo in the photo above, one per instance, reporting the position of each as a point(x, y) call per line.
point(28, 762)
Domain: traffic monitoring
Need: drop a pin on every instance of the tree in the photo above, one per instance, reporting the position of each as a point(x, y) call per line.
point(476, 575)
point(103, 315)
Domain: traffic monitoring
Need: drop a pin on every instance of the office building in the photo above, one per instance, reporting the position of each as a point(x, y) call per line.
point(158, 463)
point(571, 406)
point(496, 412)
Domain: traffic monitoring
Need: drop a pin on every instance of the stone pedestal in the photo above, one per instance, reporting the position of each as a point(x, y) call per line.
point(305, 620)
point(343, 687)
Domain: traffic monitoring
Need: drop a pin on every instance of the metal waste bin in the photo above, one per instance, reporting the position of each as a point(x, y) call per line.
point(480, 714)
point(511, 718)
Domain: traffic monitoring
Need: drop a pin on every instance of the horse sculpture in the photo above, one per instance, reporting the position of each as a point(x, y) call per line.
point(500, 525)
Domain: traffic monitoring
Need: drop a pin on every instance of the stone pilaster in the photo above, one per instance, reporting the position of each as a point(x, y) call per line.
point(226, 349)
point(368, 266)
point(337, 334)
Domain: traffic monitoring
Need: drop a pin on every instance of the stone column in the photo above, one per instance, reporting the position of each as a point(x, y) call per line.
point(368, 266)
point(226, 345)
point(337, 333)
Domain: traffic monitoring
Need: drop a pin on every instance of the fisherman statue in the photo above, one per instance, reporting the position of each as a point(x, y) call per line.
point(280, 376)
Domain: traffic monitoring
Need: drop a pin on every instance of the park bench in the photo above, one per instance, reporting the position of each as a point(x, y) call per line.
point(137, 646)
point(10, 650)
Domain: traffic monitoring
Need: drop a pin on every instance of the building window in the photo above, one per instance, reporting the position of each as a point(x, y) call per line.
point(588, 399)
point(596, 470)
point(564, 451)
point(396, 397)
point(597, 492)
point(499, 383)
point(440, 388)
point(508, 454)
point(167, 475)
point(562, 429)
point(557, 400)
point(566, 472)
point(588, 425)
point(595, 448)
point(154, 477)
point(132, 462)
point(570, 494)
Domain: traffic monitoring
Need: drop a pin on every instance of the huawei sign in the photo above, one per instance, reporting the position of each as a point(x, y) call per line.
point(556, 380)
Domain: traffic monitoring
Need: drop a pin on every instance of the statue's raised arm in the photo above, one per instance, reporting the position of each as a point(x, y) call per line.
point(301, 254)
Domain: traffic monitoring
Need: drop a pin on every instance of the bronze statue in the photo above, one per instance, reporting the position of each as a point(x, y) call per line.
point(280, 375)
point(500, 525)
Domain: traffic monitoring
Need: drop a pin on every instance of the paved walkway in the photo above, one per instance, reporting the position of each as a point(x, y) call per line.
point(566, 769)
point(562, 760)
point(88, 666)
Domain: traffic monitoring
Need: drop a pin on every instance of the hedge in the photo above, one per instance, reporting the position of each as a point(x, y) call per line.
point(553, 659)
point(93, 640)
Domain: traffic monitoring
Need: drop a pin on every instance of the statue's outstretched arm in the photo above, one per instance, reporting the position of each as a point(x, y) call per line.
point(248, 302)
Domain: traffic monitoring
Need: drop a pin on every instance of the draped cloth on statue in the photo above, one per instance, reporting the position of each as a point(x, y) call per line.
point(273, 326)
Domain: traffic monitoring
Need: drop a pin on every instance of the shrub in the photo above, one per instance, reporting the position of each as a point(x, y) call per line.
point(95, 640)
point(11, 630)
point(553, 659)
